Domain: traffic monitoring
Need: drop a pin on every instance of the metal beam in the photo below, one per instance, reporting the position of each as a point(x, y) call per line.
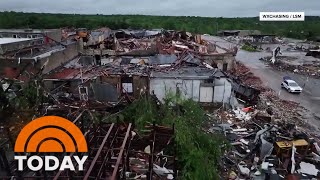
point(78, 117)
point(102, 168)
point(99, 152)
point(116, 167)
point(56, 177)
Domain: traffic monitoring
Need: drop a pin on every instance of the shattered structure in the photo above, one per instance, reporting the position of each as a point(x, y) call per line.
point(104, 70)
point(129, 63)
point(266, 142)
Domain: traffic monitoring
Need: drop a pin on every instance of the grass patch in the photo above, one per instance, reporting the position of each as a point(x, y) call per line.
point(249, 48)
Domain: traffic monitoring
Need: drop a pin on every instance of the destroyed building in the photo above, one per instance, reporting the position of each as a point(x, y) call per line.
point(137, 76)
point(103, 69)
point(128, 63)
point(47, 35)
point(154, 42)
point(224, 53)
point(106, 83)
point(199, 84)
point(40, 53)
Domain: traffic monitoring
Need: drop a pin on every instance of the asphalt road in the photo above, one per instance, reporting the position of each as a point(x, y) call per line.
point(309, 98)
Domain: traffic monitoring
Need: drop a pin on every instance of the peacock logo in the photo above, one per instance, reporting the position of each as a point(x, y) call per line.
point(50, 134)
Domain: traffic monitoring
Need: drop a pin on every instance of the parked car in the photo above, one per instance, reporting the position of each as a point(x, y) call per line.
point(290, 85)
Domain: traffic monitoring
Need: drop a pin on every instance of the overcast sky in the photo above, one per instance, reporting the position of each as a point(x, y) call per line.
point(209, 8)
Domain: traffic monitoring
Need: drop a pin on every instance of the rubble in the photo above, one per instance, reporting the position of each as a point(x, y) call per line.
point(242, 74)
point(113, 68)
point(311, 70)
point(270, 143)
point(268, 99)
point(258, 145)
point(274, 141)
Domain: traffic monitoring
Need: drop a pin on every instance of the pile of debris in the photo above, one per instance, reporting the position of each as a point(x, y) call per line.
point(243, 74)
point(312, 70)
point(268, 140)
point(148, 158)
point(268, 151)
point(265, 149)
point(138, 42)
point(283, 110)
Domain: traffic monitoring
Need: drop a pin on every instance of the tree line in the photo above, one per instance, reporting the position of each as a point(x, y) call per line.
point(309, 29)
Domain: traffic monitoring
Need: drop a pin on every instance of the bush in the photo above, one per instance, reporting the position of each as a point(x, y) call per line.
point(249, 48)
point(198, 153)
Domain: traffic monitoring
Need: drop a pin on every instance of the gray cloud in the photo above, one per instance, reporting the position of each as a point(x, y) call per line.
point(209, 8)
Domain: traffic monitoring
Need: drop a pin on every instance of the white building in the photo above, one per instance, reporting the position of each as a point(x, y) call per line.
point(198, 83)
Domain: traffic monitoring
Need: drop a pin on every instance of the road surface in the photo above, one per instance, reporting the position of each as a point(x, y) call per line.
point(309, 98)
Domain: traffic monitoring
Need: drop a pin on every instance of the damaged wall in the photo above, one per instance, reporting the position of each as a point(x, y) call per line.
point(105, 92)
point(57, 59)
point(55, 34)
point(222, 90)
point(134, 85)
point(224, 62)
point(198, 90)
point(17, 45)
point(140, 85)
point(187, 88)
point(11, 68)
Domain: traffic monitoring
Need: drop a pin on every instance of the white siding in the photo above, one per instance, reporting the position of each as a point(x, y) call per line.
point(206, 94)
point(222, 90)
point(188, 88)
point(196, 90)
point(191, 89)
point(218, 93)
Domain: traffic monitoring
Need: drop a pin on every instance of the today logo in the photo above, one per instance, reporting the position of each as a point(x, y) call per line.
point(50, 134)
